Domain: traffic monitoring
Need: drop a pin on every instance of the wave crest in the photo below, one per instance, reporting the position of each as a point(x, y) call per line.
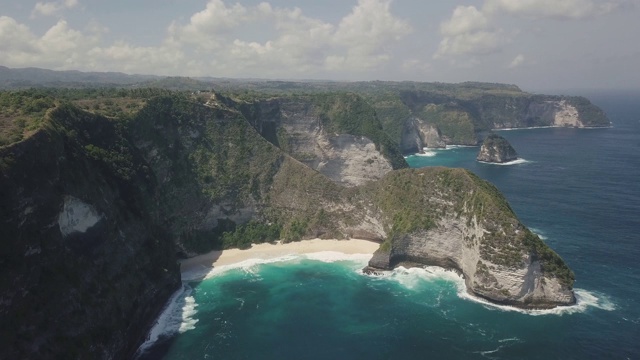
point(514, 162)
point(176, 317)
point(412, 278)
point(324, 256)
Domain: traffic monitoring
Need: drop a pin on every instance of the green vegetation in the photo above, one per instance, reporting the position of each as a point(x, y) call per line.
point(551, 262)
point(251, 233)
point(183, 173)
point(21, 113)
point(591, 114)
point(351, 114)
point(454, 122)
point(214, 155)
point(405, 200)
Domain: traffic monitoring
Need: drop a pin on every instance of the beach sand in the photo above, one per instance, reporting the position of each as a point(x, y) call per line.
point(199, 266)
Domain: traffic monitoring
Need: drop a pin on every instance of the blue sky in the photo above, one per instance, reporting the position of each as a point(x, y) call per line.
point(537, 44)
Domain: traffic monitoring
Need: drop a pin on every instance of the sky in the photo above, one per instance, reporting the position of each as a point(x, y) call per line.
point(536, 44)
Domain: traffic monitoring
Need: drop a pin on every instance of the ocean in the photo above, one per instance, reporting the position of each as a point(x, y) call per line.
point(577, 188)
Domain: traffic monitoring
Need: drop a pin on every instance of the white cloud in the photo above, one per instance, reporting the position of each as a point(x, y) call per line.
point(517, 61)
point(59, 47)
point(215, 41)
point(416, 66)
point(559, 9)
point(298, 44)
point(366, 33)
point(473, 32)
point(468, 32)
point(52, 8)
point(465, 19)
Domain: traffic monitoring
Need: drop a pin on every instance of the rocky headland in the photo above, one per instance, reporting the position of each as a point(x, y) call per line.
point(101, 198)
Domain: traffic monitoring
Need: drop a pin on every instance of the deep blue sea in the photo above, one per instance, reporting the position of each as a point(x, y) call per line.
point(577, 188)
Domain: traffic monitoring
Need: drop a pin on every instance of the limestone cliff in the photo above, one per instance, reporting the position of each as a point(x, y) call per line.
point(434, 216)
point(470, 228)
point(418, 134)
point(95, 211)
point(496, 149)
point(84, 264)
point(338, 134)
point(463, 111)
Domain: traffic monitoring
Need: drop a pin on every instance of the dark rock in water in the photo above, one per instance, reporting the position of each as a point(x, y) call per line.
point(496, 149)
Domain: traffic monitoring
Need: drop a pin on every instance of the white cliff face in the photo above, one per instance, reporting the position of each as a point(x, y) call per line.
point(456, 242)
point(566, 115)
point(77, 216)
point(431, 136)
point(346, 159)
point(349, 160)
point(417, 134)
point(555, 113)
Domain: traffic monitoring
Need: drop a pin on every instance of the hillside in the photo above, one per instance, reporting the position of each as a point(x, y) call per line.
point(412, 114)
point(102, 193)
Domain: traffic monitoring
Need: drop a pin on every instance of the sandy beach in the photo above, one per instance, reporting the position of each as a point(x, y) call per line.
point(198, 266)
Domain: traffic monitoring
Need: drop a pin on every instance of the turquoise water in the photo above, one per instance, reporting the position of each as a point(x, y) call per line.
point(577, 188)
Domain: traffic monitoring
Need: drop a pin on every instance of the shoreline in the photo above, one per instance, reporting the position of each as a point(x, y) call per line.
point(197, 267)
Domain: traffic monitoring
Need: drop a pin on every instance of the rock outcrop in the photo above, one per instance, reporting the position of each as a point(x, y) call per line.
point(84, 264)
point(314, 130)
point(418, 134)
point(478, 235)
point(95, 211)
point(496, 149)
point(463, 111)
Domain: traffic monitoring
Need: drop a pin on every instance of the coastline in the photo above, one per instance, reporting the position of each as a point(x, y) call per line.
point(198, 267)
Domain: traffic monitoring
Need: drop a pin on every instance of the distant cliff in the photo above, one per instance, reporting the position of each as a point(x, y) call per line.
point(496, 149)
point(337, 134)
point(461, 114)
point(96, 210)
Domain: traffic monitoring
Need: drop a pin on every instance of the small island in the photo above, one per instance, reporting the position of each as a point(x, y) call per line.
point(496, 149)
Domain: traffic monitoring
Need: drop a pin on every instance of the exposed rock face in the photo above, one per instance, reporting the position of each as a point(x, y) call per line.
point(523, 286)
point(555, 113)
point(515, 274)
point(346, 159)
point(349, 160)
point(431, 136)
point(540, 111)
point(463, 113)
point(418, 134)
point(76, 216)
point(84, 267)
point(299, 127)
point(496, 149)
point(94, 211)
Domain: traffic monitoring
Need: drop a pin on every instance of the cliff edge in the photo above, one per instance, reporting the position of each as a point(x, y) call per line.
point(469, 227)
point(96, 210)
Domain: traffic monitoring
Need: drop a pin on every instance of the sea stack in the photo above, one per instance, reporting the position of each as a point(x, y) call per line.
point(496, 149)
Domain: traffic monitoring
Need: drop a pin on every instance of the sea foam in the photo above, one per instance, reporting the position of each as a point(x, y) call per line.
point(538, 232)
point(514, 162)
point(412, 278)
point(526, 128)
point(176, 317)
point(250, 265)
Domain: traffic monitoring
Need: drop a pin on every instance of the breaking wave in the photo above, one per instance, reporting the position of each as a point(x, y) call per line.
point(514, 162)
point(251, 265)
point(411, 279)
point(176, 318)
